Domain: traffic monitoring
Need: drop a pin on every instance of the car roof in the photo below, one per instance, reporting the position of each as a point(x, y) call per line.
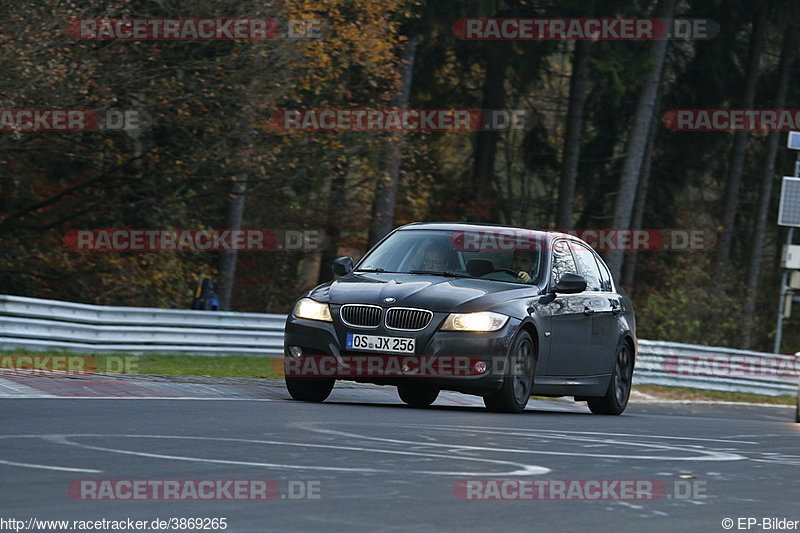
point(482, 226)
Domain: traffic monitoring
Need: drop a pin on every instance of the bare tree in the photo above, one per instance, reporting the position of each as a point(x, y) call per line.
point(386, 194)
point(628, 183)
point(629, 272)
point(733, 183)
point(227, 267)
point(482, 189)
point(767, 180)
point(578, 93)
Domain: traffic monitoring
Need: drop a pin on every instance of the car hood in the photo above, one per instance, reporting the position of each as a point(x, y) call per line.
point(437, 293)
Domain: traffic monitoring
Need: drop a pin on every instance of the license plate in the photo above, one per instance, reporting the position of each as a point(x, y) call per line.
point(378, 343)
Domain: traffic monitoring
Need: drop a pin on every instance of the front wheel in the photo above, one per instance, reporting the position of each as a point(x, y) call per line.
point(619, 388)
point(309, 389)
point(417, 396)
point(515, 392)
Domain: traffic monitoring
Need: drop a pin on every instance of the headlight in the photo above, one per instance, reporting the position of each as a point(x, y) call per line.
point(483, 321)
point(308, 308)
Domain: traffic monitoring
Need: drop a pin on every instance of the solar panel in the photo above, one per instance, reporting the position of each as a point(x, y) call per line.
point(789, 211)
point(793, 141)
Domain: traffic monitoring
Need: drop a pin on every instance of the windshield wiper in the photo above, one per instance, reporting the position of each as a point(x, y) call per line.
point(378, 270)
point(440, 273)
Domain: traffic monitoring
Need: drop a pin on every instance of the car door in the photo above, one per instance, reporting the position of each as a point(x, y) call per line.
point(604, 307)
point(570, 323)
point(608, 330)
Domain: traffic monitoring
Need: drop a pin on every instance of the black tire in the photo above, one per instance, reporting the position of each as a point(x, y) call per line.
point(515, 392)
point(619, 387)
point(309, 389)
point(417, 395)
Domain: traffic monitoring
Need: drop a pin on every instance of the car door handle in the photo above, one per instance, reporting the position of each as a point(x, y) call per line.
point(588, 311)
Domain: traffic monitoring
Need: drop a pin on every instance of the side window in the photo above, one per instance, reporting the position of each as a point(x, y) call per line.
point(563, 262)
point(587, 267)
point(605, 275)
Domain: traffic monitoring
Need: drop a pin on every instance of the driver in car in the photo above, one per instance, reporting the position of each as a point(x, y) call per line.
point(435, 259)
point(522, 263)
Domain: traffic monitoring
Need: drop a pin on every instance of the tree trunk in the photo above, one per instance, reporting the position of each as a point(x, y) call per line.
point(578, 93)
point(337, 233)
point(227, 269)
point(482, 193)
point(628, 183)
point(629, 271)
point(739, 151)
point(767, 180)
point(386, 193)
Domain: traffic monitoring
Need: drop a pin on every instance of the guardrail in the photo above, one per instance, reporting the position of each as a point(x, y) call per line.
point(716, 368)
point(37, 324)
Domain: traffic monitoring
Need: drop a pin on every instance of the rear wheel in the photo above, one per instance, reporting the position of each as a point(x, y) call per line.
point(309, 389)
point(416, 395)
point(518, 380)
point(619, 389)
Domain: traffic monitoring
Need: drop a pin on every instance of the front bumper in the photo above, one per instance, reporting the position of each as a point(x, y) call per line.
point(315, 338)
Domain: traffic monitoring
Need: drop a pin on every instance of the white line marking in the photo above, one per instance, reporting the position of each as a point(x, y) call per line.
point(40, 466)
point(521, 469)
point(23, 391)
point(49, 467)
point(140, 398)
point(637, 435)
point(706, 455)
point(627, 504)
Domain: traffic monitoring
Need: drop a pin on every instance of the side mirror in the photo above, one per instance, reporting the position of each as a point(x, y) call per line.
point(344, 265)
point(570, 284)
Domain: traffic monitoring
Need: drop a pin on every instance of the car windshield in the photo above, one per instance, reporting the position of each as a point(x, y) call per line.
point(502, 255)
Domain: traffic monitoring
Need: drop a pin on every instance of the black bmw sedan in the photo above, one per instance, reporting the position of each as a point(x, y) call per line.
point(496, 311)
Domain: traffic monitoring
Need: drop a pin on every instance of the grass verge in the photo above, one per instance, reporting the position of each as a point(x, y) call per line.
point(272, 368)
point(181, 365)
point(686, 393)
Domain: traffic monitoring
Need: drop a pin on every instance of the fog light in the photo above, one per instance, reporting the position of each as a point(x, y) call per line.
point(479, 367)
point(295, 351)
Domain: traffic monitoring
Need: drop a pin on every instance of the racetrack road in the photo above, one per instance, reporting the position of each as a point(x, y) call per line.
point(375, 465)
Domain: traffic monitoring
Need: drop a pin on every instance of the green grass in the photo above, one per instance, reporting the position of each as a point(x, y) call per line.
point(272, 367)
point(199, 365)
point(182, 365)
point(687, 393)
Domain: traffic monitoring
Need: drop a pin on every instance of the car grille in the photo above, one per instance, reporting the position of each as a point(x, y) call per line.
point(365, 316)
point(408, 319)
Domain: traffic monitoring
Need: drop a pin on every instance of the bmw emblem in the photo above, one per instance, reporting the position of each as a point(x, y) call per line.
point(389, 300)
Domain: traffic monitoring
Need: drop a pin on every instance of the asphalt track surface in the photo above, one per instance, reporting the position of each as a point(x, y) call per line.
point(381, 466)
